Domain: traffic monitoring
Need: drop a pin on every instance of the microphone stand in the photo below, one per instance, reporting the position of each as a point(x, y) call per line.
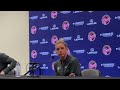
point(33, 66)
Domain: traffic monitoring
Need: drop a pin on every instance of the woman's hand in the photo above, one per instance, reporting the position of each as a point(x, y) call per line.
point(72, 74)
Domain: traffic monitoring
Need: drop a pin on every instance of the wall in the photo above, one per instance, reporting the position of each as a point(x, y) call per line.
point(14, 36)
point(93, 37)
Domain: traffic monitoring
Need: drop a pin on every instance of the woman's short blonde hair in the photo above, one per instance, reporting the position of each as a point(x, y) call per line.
point(61, 41)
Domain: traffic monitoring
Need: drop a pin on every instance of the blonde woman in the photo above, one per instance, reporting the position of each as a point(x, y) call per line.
point(67, 65)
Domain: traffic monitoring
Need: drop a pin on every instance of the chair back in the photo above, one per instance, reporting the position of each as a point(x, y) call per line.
point(90, 73)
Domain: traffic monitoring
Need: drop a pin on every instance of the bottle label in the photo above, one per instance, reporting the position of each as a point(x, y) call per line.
point(17, 70)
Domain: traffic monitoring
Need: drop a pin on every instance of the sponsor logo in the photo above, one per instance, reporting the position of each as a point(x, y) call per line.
point(34, 41)
point(118, 67)
point(67, 38)
point(92, 51)
point(54, 39)
point(78, 38)
point(82, 67)
point(65, 25)
point(78, 23)
point(77, 11)
point(91, 22)
point(65, 12)
point(34, 17)
point(43, 16)
point(33, 29)
point(44, 28)
point(118, 48)
point(90, 11)
point(79, 51)
point(106, 19)
point(92, 64)
point(117, 17)
point(54, 27)
point(44, 53)
point(106, 50)
point(44, 67)
point(91, 36)
point(107, 34)
point(43, 41)
point(107, 76)
point(33, 53)
point(54, 53)
point(54, 14)
point(118, 35)
point(108, 64)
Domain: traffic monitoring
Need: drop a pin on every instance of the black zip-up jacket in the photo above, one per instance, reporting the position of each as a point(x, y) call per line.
point(4, 61)
point(71, 65)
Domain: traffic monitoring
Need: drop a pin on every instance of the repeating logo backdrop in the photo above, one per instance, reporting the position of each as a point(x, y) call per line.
point(92, 36)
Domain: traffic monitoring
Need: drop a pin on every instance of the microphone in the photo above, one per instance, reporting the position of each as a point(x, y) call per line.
point(33, 63)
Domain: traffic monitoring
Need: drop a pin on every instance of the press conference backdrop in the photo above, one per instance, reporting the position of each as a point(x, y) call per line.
point(92, 36)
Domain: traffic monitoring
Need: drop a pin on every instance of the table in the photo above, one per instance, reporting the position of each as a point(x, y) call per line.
point(53, 77)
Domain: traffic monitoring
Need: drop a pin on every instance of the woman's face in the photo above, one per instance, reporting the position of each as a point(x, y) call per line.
point(61, 50)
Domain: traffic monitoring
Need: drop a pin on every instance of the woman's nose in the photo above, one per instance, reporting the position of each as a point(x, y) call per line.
point(60, 50)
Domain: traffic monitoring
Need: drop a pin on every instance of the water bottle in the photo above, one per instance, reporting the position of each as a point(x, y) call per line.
point(17, 70)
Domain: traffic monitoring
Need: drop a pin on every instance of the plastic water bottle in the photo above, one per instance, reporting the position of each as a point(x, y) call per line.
point(17, 70)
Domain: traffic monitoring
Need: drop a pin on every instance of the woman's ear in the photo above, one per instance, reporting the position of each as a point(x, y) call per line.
point(67, 48)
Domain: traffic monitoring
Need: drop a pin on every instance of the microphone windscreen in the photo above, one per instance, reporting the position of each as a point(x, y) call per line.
point(53, 57)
